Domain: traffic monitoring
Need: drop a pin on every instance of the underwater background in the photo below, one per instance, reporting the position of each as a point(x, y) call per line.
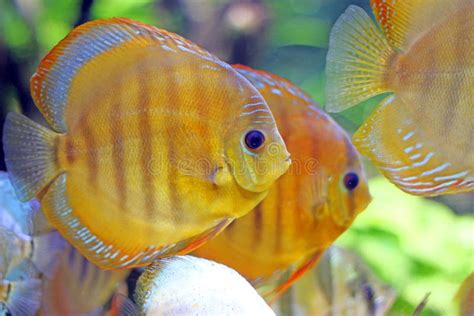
point(416, 245)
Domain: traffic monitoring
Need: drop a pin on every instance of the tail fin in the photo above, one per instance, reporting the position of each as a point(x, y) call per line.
point(357, 61)
point(22, 297)
point(30, 155)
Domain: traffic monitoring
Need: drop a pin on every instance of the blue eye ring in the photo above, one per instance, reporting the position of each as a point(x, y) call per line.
point(351, 180)
point(254, 139)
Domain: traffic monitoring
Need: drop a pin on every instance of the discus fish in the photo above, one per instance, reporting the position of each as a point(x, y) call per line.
point(156, 145)
point(77, 287)
point(341, 284)
point(420, 137)
point(309, 206)
point(192, 286)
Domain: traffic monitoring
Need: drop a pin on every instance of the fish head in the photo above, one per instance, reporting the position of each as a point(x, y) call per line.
point(255, 150)
point(348, 190)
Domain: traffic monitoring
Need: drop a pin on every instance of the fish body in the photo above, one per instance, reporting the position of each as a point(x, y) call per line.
point(194, 286)
point(420, 137)
point(341, 284)
point(154, 147)
point(309, 206)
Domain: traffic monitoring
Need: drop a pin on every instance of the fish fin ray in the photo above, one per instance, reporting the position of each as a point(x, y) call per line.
point(357, 61)
point(122, 306)
point(102, 253)
point(393, 141)
point(81, 284)
point(30, 155)
point(404, 21)
point(46, 250)
point(51, 83)
point(306, 265)
point(40, 224)
point(24, 297)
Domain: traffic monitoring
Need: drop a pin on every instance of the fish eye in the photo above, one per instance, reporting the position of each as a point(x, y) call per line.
point(254, 139)
point(351, 180)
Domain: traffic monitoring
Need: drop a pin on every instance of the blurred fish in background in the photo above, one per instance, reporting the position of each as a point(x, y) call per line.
point(78, 287)
point(24, 259)
point(341, 284)
point(420, 137)
point(465, 296)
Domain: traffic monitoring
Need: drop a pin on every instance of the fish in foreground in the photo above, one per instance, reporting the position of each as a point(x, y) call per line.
point(420, 137)
point(155, 144)
point(309, 206)
point(341, 284)
point(192, 286)
point(78, 287)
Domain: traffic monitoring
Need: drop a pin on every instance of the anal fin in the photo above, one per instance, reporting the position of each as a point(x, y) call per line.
point(305, 265)
point(109, 253)
point(408, 155)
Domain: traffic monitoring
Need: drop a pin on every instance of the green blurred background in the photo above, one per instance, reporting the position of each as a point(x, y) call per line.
point(414, 244)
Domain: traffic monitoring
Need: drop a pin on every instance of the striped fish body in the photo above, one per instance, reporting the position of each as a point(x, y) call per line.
point(147, 157)
point(421, 136)
point(309, 206)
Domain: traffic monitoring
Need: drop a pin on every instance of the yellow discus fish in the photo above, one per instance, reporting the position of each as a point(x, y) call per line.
point(309, 206)
point(421, 136)
point(156, 145)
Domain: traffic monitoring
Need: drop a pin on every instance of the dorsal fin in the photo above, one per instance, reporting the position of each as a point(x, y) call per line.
point(403, 21)
point(266, 81)
point(52, 80)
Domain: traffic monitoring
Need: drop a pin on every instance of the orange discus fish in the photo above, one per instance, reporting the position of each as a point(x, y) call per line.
point(156, 145)
point(421, 136)
point(309, 206)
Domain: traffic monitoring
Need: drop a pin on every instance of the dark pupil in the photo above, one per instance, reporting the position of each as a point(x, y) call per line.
point(351, 180)
point(254, 139)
